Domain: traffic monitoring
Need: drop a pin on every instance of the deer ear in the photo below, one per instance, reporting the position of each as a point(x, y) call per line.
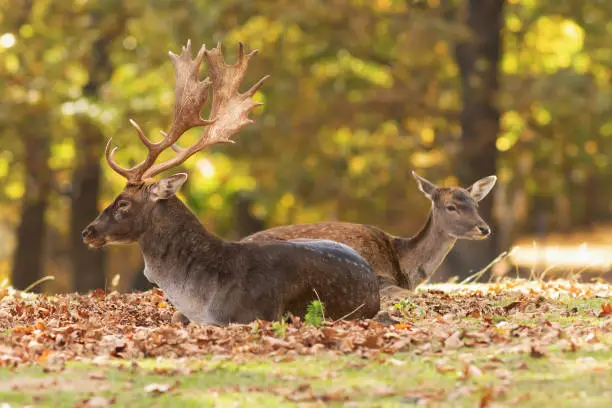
point(427, 187)
point(167, 187)
point(482, 187)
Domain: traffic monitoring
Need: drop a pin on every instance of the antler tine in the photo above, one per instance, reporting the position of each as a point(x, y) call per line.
point(190, 96)
point(110, 159)
point(229, 110)
point(143, 138)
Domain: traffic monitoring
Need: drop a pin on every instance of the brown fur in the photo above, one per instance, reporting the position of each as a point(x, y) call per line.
point(210, 280)
point(403, 263)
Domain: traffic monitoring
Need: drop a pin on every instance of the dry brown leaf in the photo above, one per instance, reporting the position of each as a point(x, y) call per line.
point(96, 375)
point(453, 341)
point(97, 402)
point(606, 310)
point(537, 352)
point(44, 356)
point(383, 391)
point(486, 398)
point(470, 370)
point(443, 368)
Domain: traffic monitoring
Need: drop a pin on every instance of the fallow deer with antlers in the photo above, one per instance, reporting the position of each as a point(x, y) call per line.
point(401, 264)
point(210, 280)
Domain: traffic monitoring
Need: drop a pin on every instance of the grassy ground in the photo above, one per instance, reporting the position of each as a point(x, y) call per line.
point(561, 380)
point(512, 345)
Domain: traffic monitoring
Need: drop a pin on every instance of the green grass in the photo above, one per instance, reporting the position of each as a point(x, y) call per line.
point(559, 379)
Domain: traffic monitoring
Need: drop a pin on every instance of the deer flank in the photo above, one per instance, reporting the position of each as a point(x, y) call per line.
point(401, 264)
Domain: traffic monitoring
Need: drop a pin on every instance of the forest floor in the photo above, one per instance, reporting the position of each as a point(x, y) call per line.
point(515, 343)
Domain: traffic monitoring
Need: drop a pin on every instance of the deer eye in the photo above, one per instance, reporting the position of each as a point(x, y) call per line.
point(123, 204)
point(451, 208)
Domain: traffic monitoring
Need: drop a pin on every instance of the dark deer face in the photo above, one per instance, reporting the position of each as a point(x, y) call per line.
point(126, 218)
point(455, 209)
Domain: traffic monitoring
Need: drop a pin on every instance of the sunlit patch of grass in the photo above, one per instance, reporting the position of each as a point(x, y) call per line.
point(560, 378)
point(584, 305)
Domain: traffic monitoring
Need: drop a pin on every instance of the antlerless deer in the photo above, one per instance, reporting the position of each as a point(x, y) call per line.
point(210, 280)
point(403, 263)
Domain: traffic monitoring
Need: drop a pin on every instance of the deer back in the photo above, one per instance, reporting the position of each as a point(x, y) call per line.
point(373, 244)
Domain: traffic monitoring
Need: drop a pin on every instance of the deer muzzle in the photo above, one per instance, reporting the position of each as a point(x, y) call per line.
point(483, 231)
point(91, 237)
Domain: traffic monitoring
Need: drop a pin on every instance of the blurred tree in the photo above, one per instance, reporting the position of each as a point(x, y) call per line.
point(32, 123)
point(246, 222)
point(353, 105)
point(89, 267)
point(478, 58)
point(28, 260)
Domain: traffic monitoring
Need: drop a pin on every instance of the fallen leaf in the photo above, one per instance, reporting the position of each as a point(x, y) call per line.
point(40, 325)
point(470, 370)
point(335, 396)
point(383, 391)
point(537, 352)
point(606, 310)
point(157, 388)
point(96, 375)
point(44, 356)
point(453, 341)
point(373, 341)
point(442, 367)
point(23, 329)
point(97, 402)
point(396, 362)
point(276, 343)
point(486, 398)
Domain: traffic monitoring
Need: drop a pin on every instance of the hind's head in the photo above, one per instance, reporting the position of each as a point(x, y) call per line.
point(455, 209)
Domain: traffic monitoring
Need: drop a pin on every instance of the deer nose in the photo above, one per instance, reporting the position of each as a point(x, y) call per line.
point(484, 229)
point(88, 232)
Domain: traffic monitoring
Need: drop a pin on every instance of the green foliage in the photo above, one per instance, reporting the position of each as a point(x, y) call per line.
point(280, 327)
point(409, 309)
point(315, 313)
point(353, 105)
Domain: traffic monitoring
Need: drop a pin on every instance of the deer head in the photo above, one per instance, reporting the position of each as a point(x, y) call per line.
point(126, 218)
point(455, 209)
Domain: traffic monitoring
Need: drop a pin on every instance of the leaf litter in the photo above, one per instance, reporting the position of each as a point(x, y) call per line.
point(48, 330)
point(441, 320)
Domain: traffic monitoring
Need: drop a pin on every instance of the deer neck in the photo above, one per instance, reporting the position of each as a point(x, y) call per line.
point(175, 243)
point(420, 255)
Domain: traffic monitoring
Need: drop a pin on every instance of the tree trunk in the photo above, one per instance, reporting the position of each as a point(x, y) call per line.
point(28, 259)
point(478, 61)
point(88, 266)
point(246, 222)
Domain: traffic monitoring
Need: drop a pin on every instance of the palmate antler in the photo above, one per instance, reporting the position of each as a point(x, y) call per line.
point(229, 111)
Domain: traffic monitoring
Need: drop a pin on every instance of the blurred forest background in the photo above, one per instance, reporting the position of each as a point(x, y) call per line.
point(362, 92)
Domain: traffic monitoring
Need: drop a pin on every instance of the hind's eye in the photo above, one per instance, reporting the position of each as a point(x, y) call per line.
point(451, 208)
point(123, 204)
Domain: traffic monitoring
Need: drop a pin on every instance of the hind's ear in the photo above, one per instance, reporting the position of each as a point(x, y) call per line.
point(427, 187)
point(167, 187)
point(482, 187)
